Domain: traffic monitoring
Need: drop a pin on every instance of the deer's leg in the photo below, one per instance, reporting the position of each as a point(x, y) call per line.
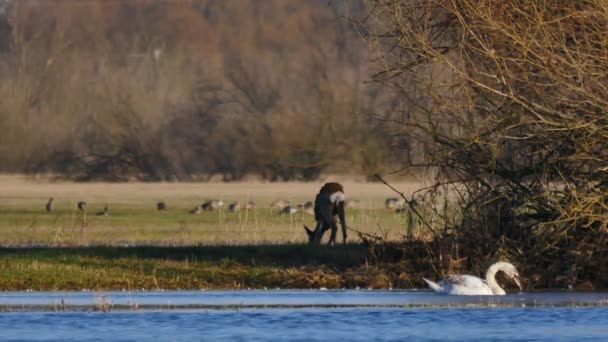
point(334, 230)
point(340, 211)
point(324, 222)
point(318, 233)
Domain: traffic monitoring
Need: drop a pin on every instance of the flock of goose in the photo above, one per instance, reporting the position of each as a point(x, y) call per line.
point(282, 206)
point(80, 205)
point(459, 284)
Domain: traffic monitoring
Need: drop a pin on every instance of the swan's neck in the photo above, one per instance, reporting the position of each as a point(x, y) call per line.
point(491, 279)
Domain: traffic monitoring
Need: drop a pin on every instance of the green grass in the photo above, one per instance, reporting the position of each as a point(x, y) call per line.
point(203, 267)
point(133, 217)
point(24, 225)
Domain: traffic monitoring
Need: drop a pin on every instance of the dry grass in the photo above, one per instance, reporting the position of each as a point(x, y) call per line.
point(134, 220)
point(24, 190)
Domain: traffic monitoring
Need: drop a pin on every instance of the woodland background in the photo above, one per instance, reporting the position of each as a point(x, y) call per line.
point(186, 90)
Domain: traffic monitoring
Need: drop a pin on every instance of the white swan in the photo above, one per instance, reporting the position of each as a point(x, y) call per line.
point(464, 284)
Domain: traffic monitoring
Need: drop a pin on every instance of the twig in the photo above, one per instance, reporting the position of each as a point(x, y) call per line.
point(410, 203)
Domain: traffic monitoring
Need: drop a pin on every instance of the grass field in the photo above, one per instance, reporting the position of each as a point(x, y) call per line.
point(133, 217)
point(137, 247)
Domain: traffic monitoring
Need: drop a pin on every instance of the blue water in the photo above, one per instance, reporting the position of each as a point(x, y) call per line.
point(302, 316)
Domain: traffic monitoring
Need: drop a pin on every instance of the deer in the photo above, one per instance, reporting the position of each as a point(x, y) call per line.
point(329, 203)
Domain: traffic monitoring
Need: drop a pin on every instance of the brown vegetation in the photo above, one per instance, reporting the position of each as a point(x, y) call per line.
point(158, 90)
point(509, 100)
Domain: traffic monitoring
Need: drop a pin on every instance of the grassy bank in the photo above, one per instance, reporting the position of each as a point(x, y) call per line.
point(246, 267)
point(205, 267)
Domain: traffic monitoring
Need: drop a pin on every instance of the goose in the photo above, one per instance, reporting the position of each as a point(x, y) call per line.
point(196, 210)
point(212, 205)
point(104, 212)
point(394, 203)
point(468, 285)
point(216, 204)
point(160, 206)
point(235, 206)
point(82, 206)
point(289, 210)
point(49, 205)
point(280, 204)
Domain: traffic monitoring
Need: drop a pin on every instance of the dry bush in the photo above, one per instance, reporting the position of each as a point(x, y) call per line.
point(509, 100)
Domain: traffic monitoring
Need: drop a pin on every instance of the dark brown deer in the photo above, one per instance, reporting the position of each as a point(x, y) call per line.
point(329, 203)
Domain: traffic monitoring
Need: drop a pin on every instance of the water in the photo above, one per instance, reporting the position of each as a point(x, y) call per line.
point(301, 316)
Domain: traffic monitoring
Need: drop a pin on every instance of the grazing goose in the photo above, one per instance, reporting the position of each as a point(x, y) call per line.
point(196, 210)
point(160, 206)
point(250, 205)
point(280, 204)
point(82, 206)
point(464, 284)
point(216, 204)
point(49, 205)
point(394, 203)
point(104, 212)
point(289, 210)
point(212, 205)
point(235, 206)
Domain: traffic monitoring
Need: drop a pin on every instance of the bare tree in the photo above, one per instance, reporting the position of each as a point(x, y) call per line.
point(508, 99)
